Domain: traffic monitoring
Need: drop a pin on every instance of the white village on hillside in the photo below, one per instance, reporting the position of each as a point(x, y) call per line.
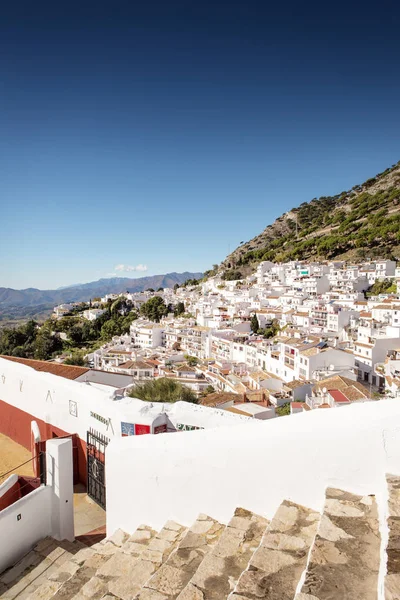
point(255, 490)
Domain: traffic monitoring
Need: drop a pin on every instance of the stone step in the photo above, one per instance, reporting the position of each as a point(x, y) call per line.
point(35, 567)
point(76, 573)
point(392, 579)
point(218, 573)
point(345, 557)
point(170, 579)
point(276, 566)
point(126, 571)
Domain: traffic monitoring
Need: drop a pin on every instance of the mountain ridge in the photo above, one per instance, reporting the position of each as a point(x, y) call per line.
point(32, 297)
point(360, 223)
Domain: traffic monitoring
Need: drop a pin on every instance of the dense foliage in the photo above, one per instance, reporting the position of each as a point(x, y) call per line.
point(30, 341)
point(384, 286)
point(268, 332)
point(231, 275)
point(179, 309)
point(283, 410)
point(163, 390)
point(44, 341)
point(362, 223)
point(154, 309)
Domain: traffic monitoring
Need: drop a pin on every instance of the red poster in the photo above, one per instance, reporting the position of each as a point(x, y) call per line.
point(142, 429)
point(160, 428)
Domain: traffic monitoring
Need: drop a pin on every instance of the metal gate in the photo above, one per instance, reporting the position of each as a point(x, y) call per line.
point(96, 470)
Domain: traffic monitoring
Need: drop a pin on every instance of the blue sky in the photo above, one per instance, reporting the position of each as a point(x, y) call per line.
point(163, 135)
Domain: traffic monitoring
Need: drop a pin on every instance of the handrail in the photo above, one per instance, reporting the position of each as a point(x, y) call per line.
point(17, 467)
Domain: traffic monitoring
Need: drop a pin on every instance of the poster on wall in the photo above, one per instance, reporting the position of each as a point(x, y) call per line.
point(142, 429)
point(160, 428)
point(127, 429)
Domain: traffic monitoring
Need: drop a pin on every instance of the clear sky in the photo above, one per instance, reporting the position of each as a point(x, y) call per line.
point(161, 134)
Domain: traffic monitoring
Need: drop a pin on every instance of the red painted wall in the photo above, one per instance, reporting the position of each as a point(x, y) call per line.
point(16, 424)
point(11, 496)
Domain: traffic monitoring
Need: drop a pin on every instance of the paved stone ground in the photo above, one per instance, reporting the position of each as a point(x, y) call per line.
point(392, 580)
point(12, 455)
point(88, 515)
point(344, 562)
point(275, 568)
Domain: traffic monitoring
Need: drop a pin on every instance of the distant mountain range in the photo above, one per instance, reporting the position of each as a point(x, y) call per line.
point(20, 303)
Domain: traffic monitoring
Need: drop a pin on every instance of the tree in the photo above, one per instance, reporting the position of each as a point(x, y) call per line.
point(385, 286)
point(109, 329)
point(283, 410)
point(163, 390)
point(254, 324)
point(160, 289)
point(176, 287)
point(76, 358)
point(208, 390)
point(75, 334)
point(46, 345)
point(179, 309)
point(150, 290)
point(154, 309)
point(192, 361)
point(232, 275)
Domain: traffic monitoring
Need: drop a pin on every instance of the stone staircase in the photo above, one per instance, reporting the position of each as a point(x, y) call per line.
point(299, 555)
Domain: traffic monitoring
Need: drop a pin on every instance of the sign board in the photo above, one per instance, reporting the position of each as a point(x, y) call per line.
point(184, 427)
point(160, 428)
point(127, 429)
point(142, 429)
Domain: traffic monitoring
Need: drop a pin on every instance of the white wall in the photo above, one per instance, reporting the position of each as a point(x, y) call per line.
point(48, 510)
point(151, 479)
point(18, 536)
point(7, 484)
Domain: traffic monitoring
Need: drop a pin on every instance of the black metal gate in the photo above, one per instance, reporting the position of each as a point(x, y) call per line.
point(96, 469)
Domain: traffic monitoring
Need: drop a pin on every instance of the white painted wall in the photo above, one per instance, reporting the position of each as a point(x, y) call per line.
point(7, 484)
point(19, 536)
point(48, 398)
point(214, 471)
point(60, 479)
point(48, 510)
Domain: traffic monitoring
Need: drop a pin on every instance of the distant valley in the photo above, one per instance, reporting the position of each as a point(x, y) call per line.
point(31, 302)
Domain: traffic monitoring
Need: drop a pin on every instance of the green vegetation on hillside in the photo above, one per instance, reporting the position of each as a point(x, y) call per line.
point(163, 390)
point(154, 309)
point(384, 286)
point(44, 341)
point(363, 223)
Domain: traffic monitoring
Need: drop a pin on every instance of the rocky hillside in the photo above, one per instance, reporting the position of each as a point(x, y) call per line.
point(361, 223)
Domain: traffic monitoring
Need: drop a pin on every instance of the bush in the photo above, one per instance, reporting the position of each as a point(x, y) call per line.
point(163, 390)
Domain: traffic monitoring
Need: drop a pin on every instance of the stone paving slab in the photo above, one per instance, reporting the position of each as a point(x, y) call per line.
point(222, 566)
point(392, 579)
point(277, 564)
point(143, 567)
point(345, 557)
point(176, 572)
point(37, 567)
point(79, 573)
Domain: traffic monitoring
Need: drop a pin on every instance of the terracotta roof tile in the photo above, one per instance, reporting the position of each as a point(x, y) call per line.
point(66, 371)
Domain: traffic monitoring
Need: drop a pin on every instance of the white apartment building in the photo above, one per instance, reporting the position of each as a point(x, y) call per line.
point(147, 335)
point(63, 309)
point(93, 313)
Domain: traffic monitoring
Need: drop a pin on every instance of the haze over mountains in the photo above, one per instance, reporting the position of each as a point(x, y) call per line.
point(31, 300)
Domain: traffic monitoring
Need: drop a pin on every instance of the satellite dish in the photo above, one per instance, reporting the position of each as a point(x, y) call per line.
point(324, 390)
